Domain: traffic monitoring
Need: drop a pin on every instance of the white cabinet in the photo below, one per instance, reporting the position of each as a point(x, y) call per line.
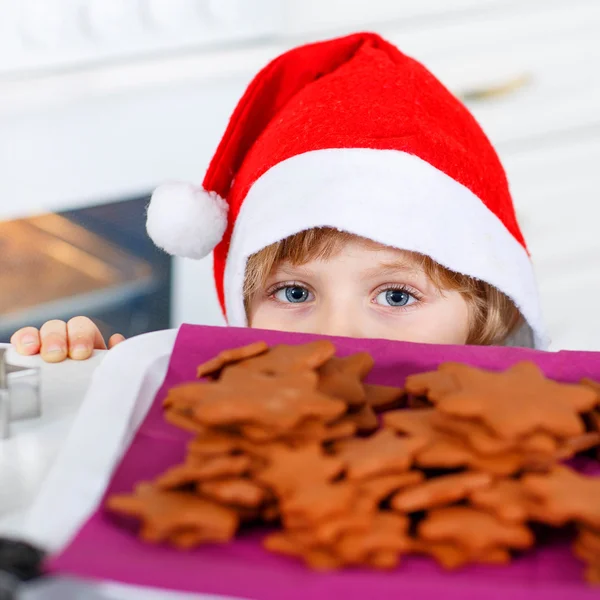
point(58, 34)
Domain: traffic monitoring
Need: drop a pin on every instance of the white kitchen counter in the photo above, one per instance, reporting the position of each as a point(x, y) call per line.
point(27, 456)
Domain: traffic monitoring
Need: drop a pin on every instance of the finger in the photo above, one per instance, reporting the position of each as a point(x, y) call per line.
point(26, 341)
point(83, 336)
point(53, 336)
point(115, 339)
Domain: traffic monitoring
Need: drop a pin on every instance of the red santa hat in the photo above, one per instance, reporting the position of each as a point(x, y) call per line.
point(351, 134)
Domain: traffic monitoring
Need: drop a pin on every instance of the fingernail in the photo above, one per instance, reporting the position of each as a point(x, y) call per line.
point(79, 351)
point(54, 349)
point(28, 340)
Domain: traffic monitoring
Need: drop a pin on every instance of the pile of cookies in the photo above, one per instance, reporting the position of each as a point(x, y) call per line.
point(459, 465)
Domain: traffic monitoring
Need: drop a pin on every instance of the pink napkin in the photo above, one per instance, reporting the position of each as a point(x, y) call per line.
point(106, 548)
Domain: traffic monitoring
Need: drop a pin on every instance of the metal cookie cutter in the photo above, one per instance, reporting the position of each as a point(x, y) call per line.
point(20, 396)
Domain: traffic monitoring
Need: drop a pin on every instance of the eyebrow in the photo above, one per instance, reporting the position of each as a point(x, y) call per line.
point(400, 265)
point(390, 268)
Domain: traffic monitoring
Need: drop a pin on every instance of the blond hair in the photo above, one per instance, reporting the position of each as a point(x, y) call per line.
point(492, 315)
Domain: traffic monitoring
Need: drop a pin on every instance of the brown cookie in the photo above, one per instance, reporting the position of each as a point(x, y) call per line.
point(413, 422)
point(594, 386)
point(439, 491)
point(576, 445)
point(593, 422)
point(164, 513)
point(592, 574)
point(213, 367)
point(433, 384)
point(590, 539)
point(584, 553)
point(290, 469)
point(472, 431)
point(186, 539)
point(320, 558)
point(448, 556)
point(563, 495)
point(275, 402)
point(208, 468)
point(313, 504)
point(505, 498)
point(449, 452)
point(329, 531)
point(378, 489)
point(234, 491)
point(481, 439)
point(183, 419)
point(307, 431)
point(342, 378)
point(214, 443)
point(382, 453)
point(284, 359)
point(313, 430)
point(283, 542)
point(387, 533)
point(364, 419)
point(474, 530)
point(517, 402)
point(382, 398)
point(452, 556)
point(540, 443)
point(383, 560)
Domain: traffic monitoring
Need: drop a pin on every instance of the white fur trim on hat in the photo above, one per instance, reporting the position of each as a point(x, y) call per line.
point(185, 220)
point(393, 198)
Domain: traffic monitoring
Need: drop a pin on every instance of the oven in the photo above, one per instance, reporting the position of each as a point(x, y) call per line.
point(93, 261)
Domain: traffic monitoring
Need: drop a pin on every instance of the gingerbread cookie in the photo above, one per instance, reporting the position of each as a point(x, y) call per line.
point(376, 490)
point(317, 503)
point(387, 533)
point(382, 453)
point(439, 491)
point(563, 495)
point(205, 469)
point(474, 530)
point(364, 420)
point(451, 556)
point(342, 378)
point(290, 469)
point(284, 359)
point(213, 367)
point(505, 498)
point(165, 513)
point(234, 491)
point(432, 385)
point(382, 398)
point(517, 402)
point(277, 402)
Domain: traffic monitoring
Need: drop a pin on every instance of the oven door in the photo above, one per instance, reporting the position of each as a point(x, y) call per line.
point(95, 261)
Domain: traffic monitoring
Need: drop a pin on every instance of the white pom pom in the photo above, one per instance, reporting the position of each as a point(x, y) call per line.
point(185, 220)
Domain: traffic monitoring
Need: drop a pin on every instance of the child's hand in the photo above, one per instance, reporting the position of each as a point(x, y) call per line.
point(56, 340)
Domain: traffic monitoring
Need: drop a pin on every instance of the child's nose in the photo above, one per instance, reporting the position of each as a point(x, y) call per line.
point(339, 321)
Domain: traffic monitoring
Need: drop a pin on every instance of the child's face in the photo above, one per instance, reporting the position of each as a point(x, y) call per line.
point(362, 291)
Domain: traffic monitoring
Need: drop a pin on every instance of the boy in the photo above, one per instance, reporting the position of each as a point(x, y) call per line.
point(353, 195)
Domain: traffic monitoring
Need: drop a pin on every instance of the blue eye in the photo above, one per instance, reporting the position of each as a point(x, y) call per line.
point(395, 298)
point(293, 294)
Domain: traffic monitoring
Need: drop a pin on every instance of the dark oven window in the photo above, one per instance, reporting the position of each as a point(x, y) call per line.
point(96, 261)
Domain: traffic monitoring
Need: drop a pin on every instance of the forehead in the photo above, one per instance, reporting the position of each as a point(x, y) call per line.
point(360, 250)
